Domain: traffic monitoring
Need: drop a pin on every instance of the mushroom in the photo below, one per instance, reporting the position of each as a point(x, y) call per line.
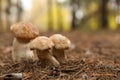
point(43, 46)
point(23, 32)
point(61, 43)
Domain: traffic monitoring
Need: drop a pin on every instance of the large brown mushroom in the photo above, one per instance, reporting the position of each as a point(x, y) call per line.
point(61, 43)
point(23, 32)
point(43, 46)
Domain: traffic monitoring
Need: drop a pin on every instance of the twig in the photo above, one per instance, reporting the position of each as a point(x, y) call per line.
point(105, 74)
point(43, 76)
point(79, 71)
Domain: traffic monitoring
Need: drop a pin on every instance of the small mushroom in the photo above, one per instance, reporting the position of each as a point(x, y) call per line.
point(61, 43)
point(43, 46)
point(23, 32)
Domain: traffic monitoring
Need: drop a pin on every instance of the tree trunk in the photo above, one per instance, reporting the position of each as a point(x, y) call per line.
point(8, 13)
point(19, 10)
point(104, 13)
point(0, 12)
point(73, 20)
point(49, 15)
point(75, 5)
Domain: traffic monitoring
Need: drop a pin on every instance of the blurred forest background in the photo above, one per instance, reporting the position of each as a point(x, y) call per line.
point(61, 15)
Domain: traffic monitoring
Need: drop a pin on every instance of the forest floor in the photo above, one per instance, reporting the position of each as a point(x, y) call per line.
point(93, 56)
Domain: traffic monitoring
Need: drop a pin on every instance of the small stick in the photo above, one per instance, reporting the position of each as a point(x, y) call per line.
point(105, 74)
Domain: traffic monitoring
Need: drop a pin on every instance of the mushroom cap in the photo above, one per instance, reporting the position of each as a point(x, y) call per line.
point(24, 30)
point(60, 41)
point(41, 43)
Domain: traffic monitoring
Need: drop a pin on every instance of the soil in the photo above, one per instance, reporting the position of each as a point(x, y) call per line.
point(92, 56)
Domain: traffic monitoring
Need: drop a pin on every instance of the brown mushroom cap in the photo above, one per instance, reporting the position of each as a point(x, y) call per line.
point(24, 30)
point(41, 43)
point(60, 41)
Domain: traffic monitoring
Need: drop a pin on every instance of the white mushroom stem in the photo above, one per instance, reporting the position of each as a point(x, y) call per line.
point(59, 54)
point(21, 51)
point(46, 58)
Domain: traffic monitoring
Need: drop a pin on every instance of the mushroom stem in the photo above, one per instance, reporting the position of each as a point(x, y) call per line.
point(59, 54)
point(46, 58)
point(21, 52)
